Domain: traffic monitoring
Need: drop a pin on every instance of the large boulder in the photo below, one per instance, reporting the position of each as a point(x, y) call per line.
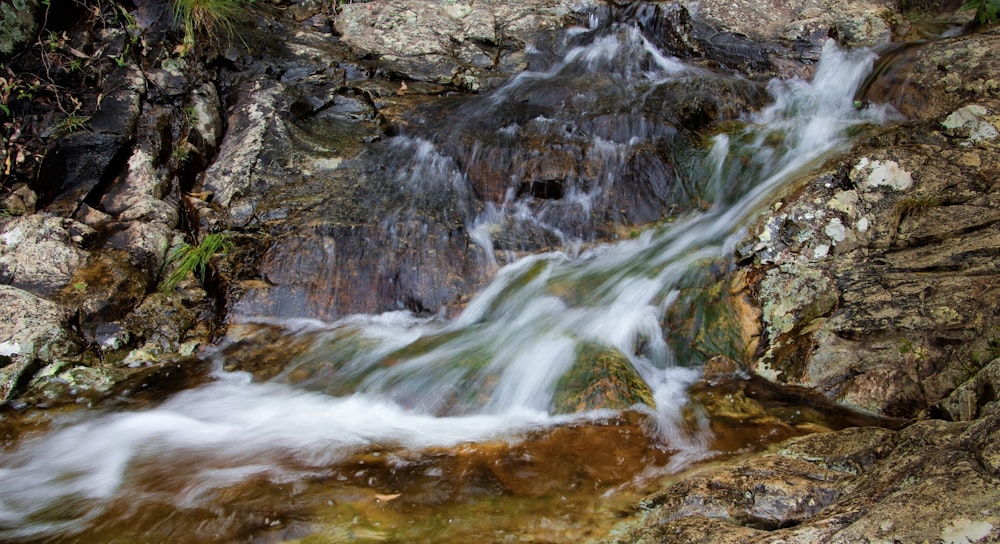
point(877, 277)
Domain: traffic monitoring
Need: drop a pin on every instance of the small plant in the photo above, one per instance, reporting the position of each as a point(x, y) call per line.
point(987, 11)
point(188, 258)
point(72, 123)
point(181, 153)
point(912, 206)
point(208, 17)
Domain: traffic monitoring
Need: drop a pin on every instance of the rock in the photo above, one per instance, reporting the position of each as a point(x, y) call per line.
point(460, 43)
point(77, 164)
point(144, 245)
point(896, 237)
point(20, 23)
point(845, 486)
point(138, 192)
point(601, 379)
point(855, 22)
point(934, 79)
point(82, 160)
point(206, 119)
point(969, 400)
point(40, 253)
point(104, 291)
point(32, 334)
point(20, 201)
point(60, 383)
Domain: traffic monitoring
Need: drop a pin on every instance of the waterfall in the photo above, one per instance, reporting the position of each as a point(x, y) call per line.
point(398, 381)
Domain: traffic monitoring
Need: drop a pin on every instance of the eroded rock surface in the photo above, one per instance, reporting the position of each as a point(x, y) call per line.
point(854, 485)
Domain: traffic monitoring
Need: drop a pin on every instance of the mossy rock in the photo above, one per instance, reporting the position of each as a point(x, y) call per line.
point(601, 378)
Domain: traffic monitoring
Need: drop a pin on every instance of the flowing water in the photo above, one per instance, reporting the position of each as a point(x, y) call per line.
point(405, 428)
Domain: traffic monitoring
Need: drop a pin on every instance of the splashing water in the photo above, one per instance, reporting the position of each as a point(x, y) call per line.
point(395, 381)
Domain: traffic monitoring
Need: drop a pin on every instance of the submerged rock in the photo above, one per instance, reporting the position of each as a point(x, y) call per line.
point(601, 378)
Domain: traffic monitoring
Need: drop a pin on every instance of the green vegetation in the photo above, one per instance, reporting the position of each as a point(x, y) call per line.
point(188, 258)
point(209, 18)
point(987, 11)
point(72, 123)
point(17, 24)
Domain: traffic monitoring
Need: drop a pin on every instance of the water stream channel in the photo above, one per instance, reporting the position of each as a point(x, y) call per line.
point(408, 427)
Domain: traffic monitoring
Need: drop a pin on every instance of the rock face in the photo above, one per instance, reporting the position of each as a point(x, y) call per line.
point(875, 281)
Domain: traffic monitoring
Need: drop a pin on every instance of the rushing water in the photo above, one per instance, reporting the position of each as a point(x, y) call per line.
point(394, 409)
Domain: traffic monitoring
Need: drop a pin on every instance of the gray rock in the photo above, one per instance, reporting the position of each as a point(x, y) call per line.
point(455, 42)
point(40, 253)
point(31, 335)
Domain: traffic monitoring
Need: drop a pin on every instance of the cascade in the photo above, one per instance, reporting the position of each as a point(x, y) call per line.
point(389, 407)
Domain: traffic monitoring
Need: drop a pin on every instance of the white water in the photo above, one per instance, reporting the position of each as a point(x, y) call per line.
point(523, 329)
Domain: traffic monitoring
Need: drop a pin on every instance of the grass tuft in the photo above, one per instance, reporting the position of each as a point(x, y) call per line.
point(209, 18)
point(188, 259)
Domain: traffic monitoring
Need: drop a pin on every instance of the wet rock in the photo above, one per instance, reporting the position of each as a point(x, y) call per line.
point(938, 78)
point(601, 378)
point(103, 291)
point(82, 160)
point(144, 245)
point(843, 486)
point(206, 119)
point(40, 253)
point(766, 493)
point(77, 164)
point(898, 238)
point(161, 324)
point(61, 383)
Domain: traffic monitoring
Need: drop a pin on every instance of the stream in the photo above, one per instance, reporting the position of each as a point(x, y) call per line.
point(407, 427)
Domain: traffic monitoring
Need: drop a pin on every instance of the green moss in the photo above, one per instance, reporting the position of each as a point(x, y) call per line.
point(17, 24)
point(601, 378)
